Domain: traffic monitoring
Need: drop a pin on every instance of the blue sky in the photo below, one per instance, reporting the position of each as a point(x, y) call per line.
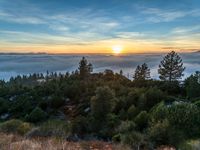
point(94, 26)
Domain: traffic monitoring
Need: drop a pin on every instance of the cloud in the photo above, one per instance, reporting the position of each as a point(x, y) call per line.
point(16, 18)
point(156, 15)
point(11, 65)
point(186, 30)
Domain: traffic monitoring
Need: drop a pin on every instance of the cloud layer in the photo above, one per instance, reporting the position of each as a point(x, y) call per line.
point(12, 65)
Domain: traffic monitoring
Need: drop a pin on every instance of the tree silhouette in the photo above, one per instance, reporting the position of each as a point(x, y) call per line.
point(85, 68)
point(142, 72)
point(171, 67)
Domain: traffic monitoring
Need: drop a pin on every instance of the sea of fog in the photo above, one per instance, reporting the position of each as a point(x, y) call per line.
point(16, 64)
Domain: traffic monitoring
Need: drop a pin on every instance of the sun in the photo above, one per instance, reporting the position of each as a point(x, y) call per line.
point(117, 49)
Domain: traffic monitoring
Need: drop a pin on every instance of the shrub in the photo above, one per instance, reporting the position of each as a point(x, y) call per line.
point(37, 115)
point(50, 128)
point(56, 128)
point(188, 146)
point(133, 97)
point(182, 116)
point(126, 126)
point(162, 133)
point(15, 126)
point(79, 125)
point(154, 96)
point(56, 102)
point(141, 120)
point(132, 112)
point(133, 139)
point(4, 105)
point(197, 103)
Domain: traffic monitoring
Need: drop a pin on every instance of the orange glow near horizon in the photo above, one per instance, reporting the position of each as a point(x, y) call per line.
point(107, 46)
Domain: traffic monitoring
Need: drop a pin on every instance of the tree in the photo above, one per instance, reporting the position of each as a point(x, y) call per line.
point(171, 67)
point(121, 73)
point(85, 68)
point(102, 105)
point(192, 85)
point(102, 102)
point(142, 72)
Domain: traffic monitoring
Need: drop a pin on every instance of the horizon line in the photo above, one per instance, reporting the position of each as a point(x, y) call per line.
point(49, 53)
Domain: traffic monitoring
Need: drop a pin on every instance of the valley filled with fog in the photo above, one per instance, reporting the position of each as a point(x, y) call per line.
point(16, 64)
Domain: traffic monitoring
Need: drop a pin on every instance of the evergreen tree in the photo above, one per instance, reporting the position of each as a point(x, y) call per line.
point(192, 85)
point(171, 67)
point(85, 68)
point(102, 102)
point(121, 72)
point(142, 72)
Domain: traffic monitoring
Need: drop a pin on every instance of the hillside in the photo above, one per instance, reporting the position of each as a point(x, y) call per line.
point(85, 106)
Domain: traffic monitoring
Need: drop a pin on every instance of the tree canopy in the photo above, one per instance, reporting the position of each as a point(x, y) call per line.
point(171, 67)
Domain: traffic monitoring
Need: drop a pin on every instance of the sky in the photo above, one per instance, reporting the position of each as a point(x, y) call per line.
point(95, 26)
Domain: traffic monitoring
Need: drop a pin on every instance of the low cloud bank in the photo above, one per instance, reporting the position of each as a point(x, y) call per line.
point(12, 65)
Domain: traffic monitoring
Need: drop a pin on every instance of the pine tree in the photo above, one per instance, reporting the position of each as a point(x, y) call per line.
point(137, 74)
point(171, 67)
point(145, 71)
point(85, 68)
point(142, 72)
point(121, 73)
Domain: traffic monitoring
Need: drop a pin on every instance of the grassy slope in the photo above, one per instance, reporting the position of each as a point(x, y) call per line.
point(15, 142)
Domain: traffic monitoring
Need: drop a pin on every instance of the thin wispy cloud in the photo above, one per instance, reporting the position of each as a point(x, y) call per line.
point(157, 15)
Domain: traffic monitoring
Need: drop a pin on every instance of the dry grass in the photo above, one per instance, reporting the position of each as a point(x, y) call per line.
point(14, 142)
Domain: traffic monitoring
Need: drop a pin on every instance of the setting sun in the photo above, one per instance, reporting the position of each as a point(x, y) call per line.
point(117, 49)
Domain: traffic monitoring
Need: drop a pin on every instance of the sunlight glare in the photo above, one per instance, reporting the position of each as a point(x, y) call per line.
point(117, 49)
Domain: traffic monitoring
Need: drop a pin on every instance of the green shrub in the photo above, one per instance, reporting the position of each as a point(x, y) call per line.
point(116, 138)
point(15, 126)
point(154, 96)
point(56, 102)
point(161, 133)
point(141, 120)
point(132, 112)
point(37, 115)
point(4, 105)
point(197, 103)
point(133, 139)
point(192, 144)
point(126, 126)
point(56, 128)
point(79, 125)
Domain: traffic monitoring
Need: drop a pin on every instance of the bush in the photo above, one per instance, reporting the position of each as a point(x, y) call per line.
point(141, 120)
point(4, 105)
point(55, 128)
point(162, 133)
point(132, 112)
point(197, 103)
point(15, 126)
point(128, 135)
point(188, 146)
point(133, 97)
point(56, 102)
point(50, 128)
point(154, 96)
point(79, 125)
point(183, 116)
point(133, 139)
point(37, 115)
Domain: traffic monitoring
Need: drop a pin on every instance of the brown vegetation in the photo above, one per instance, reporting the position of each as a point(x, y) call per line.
point(14, 142)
